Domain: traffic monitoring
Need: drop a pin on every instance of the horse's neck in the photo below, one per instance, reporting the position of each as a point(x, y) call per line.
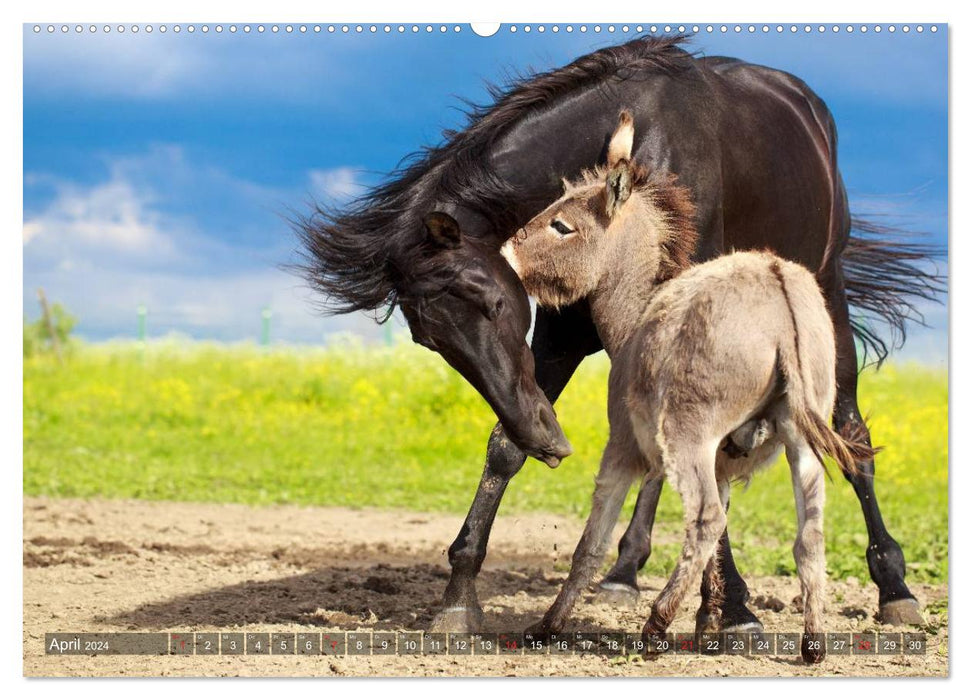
point(632, 263)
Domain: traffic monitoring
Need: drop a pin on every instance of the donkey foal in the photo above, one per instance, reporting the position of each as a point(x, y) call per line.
point(741, 347)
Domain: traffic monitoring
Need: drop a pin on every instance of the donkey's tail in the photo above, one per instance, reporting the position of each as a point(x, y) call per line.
point(885, 276)
point(847, 449)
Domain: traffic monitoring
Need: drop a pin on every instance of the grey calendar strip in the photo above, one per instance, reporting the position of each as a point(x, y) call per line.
point(338, 643)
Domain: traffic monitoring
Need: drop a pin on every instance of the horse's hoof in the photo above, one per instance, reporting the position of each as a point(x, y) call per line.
point(813, 653)
point(618, 594)
point(901, 612)
point(740, 619)
point(457, 619)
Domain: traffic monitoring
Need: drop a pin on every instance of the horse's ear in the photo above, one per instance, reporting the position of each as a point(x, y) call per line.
point(619, 186)
point(622, 142)
point(442, 230)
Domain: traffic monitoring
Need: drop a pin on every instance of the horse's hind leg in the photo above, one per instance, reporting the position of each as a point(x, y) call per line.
point(733, 615)
point(620, 464)
point(885, 558)
point(705, 519)
point(809, 549)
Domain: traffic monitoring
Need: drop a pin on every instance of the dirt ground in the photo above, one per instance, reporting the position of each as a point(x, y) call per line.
point(111, 566)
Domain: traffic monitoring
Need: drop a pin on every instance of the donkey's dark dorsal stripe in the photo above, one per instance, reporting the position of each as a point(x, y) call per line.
point(755, 147)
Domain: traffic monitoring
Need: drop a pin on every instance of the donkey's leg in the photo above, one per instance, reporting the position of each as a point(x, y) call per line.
point(884, 557)
point(708, 617)
point(809, 550)
point(560, 342)
point(620, 583)
point(724, 593)
point(704, 522)
point(619, 467)
point(619, 586)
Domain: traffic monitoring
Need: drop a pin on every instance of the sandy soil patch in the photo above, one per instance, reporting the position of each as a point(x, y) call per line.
point(106, 566)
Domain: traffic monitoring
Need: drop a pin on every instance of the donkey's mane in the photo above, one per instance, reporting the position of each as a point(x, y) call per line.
point(369, 254)
point(680, 235)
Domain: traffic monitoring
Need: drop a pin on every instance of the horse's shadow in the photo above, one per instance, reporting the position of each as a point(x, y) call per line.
point(339, 597)
point(379, 597)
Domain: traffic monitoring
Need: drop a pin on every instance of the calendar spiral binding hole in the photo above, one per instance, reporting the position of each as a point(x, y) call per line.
point(511, 29)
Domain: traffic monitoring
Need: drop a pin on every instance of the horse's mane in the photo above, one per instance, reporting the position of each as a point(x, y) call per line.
point(366, 255)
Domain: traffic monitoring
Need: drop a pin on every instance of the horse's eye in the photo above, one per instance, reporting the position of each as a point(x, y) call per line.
point(561, 228)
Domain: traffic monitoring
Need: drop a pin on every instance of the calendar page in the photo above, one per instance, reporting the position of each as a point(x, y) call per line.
point(447, 349)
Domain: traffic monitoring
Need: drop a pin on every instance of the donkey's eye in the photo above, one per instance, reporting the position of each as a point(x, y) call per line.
point(561, 228)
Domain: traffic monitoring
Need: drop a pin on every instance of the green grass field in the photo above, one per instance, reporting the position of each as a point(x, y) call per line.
point(396, 428)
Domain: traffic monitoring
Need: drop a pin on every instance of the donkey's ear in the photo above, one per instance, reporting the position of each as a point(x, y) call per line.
point(442, 230)
point(619, 187)
point(622, 142)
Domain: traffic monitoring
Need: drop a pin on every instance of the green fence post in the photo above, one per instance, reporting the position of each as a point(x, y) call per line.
point(265, 335)
point(142, 313)
point(142, 322)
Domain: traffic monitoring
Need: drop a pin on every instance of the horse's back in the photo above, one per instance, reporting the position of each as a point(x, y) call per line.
point(778, 157)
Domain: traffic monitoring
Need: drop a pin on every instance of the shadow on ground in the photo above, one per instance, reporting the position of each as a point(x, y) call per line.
point(375, 597)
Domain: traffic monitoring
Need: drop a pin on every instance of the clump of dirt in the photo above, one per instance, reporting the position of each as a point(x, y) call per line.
point(93, 566)
point(768, 602)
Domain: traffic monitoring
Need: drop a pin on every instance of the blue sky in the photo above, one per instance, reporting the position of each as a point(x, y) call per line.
point(159, 168)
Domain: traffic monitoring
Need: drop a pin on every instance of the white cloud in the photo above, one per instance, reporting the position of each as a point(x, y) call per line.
point(112, 215)
point(156, 209)
point(336, 184)
point(198, 245)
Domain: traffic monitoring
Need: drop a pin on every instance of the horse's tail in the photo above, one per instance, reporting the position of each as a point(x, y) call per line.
point(885, 276)
point(848, 449)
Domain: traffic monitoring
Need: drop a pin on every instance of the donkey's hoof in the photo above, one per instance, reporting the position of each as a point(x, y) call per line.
point(650, 636)
point(813, 648)
point(740, 619)
point(618, 594)
point(543, 628)
point(457, 619)
point(901, 612)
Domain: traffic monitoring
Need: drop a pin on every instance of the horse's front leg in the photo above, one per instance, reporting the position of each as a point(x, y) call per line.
point(461, 611)
point(560, 342)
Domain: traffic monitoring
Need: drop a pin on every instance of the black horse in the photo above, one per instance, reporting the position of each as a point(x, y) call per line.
point(756, 147)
